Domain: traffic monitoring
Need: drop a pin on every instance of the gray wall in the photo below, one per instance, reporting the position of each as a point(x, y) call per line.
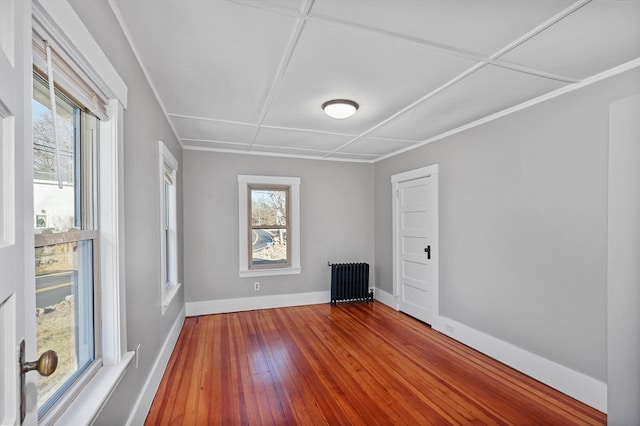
point(144, 125)
point(523, 221)
point(335, 215)
point(523, 225)
point(623, 390)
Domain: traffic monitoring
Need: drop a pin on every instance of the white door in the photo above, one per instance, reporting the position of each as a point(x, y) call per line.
point(17, 293)
point(416, 247)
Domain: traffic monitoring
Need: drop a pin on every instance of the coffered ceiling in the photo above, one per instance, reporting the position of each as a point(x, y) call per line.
point(250, 76)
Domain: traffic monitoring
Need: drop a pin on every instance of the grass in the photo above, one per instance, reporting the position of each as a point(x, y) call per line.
point(55, 330)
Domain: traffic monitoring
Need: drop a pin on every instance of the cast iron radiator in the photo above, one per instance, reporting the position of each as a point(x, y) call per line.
point(350, 282)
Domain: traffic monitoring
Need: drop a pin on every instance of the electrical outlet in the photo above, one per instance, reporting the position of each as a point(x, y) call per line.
point(137, 354)
point(256, 286)
point(449, 328)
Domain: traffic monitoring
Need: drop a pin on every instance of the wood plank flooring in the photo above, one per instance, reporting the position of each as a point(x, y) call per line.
point(362, 364)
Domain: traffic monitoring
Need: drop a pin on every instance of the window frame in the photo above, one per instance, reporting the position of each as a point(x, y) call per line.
point(245, 183)
point(65, 29)
point(168, 226)
point(86, 147)
point(286, 227)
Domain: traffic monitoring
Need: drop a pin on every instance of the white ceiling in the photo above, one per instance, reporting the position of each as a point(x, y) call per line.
point(250, 75)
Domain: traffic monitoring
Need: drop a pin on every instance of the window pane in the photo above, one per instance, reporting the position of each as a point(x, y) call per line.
point(168, 213)
point(167, 204)
point(65, 318)
point(269, 247)
point(167, 257)
point(268, 207)
point(54, 208)
point(65, 284)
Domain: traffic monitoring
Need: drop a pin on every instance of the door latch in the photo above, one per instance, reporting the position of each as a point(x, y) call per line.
point(427, 250)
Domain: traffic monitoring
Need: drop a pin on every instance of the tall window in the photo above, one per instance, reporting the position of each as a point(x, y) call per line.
point(269, 217)
point(77, 219)
point(168, 166)
point(66, 238)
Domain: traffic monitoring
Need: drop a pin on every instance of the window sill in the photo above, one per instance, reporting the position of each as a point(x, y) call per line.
point(88, 404)
point(169, 295)
point(269, 272)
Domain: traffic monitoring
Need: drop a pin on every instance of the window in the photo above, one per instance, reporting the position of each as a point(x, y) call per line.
point(269, 213)
point(269, 227)
point(79, 233)
point(66, 239)
point(168, 233)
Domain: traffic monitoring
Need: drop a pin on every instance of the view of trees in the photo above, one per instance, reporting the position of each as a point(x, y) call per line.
point(269, 226)
point(268, 207)
point(44, 154)
point(54, 208)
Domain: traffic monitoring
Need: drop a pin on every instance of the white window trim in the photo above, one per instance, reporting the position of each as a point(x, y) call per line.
point(244, 181)
point(60, 21)
point(168, 291)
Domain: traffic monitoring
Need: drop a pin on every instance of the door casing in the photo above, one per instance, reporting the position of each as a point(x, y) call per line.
point(430, 171)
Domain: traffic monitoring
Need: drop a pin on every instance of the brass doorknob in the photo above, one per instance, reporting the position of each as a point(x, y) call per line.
point(45, 365)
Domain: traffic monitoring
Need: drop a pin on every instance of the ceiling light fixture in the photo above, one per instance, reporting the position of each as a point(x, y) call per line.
point(340, 108)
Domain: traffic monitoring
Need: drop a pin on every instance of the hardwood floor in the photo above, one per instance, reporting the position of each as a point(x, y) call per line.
point(346, 364)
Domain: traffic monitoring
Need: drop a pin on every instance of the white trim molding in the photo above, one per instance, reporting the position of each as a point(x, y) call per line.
point(136, 53)
point(634, 63)
point(145, 397)
point(573, 383)
point(60, 20)
point(86, 407)
point(167, 164)
point(386, 298)
point(416, 174)
point(111, 272)
point(223, 306)
point(243, 224)
point(431, 172)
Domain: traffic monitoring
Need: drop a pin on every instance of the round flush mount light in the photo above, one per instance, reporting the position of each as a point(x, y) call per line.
point(340, 108)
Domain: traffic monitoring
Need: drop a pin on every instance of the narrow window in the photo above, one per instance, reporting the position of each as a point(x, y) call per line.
point(168, 166)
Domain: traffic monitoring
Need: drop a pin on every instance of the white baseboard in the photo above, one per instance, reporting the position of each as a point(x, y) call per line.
point(386, 298)
point(575, 384)
point(209, 307)
point(570, 382)
point(148, 392)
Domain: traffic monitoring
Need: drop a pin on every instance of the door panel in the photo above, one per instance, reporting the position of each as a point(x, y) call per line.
point(413, 248)
point(413, 245)
point(414, 301)
point(416, 230)
point(15, 227)
point(415, 274)
point(414, 220)
point(8, 360)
